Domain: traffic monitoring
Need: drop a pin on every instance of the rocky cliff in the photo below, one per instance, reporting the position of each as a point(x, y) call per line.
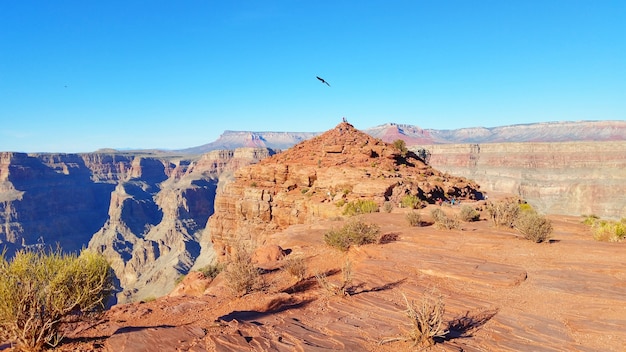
point(570, 178)
point(315, 179)
point(145, 213)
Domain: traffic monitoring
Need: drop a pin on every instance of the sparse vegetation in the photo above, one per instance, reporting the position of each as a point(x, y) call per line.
point(503, 213)
point(442, 221)
point(295, 266)
point(401, 146)
point(469, 214)
point(607, 230)
point(38, 289)
point(411, 201)
point(212, 270)
point(533, 226)
point(242, 277)
point(342, 288)
point(360, 206)
point(387, 207)
point(590, 219)
point(354, 233)
point(426, 320)
point(414, 218)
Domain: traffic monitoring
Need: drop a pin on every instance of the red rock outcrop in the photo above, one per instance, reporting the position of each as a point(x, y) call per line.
point(315, 178)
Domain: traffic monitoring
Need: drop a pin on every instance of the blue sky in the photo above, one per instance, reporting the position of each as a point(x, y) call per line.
point(76, 76)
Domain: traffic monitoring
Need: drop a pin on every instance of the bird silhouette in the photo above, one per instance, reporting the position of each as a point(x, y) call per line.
point(322, 80)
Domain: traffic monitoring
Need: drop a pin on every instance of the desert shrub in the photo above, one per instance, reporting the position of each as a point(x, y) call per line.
point(400, 145)
point(442, 221)
point(361, 206)
point(503, 213)
point(590, 219)
point(242, 277)
point(387, 207)
point(354, 233)
point(525, 207)
point(609, 231)
point(295, 266)
point(212, 270)
point(414, 218)
point(179, 279)
point(468, 214)
point(411, 201)
point(38, 289)
point(426, 320)
point(344, 287)
point(533, 226)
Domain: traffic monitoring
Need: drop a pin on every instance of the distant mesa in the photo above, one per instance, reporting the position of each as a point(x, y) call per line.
point(568, 131)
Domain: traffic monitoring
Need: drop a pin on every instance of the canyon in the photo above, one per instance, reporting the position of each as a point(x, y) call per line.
point(151, 212)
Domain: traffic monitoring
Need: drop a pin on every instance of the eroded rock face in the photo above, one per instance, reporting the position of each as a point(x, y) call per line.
point(568, 178)
point(315, 178)
point(145, 213)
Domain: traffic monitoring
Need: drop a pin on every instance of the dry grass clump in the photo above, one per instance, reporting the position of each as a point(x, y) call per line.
point(412, 202)
point(414, 218)
point(360, 206)
point(212, 270)
point(341, 289)
point(503, 213)
point(609, 230)
point(295, 266)
point(242, 277)
point(533, 226)
point(442, 221)
point(38, 289)
point(426, 320)
point(354, 233)
point(387, 207)
point(469, 214)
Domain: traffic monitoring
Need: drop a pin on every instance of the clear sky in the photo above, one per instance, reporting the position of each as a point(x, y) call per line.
point(76, 76)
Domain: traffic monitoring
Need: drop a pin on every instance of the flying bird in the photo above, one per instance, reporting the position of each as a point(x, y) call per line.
point(322, 80)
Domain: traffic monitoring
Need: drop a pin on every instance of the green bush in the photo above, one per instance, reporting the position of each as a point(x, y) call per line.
point(212, 270)
point(590, 219)
point(442, 221)
point(400, 145)
point(411, 201)
point(414, 218)
point(533, 226)
point(503, 213)
point(360, 206)
point(354, 233)
point(39, 289)
point(469, 214)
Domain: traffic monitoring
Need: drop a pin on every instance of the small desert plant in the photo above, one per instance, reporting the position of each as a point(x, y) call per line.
point(414, 218)
point(411, 201)
point(242, 277)
point(426, 320)
point(590, 219)
point(212, 270)
point(342, 288)
point(38, 289)
point(533, 226)
point(360, 206)
point(387, 207)
point(468, 214)
point(295, 266)
point(400, 145)
point(442, 221)
point(179, 279)
point(503, 213)
point(354, 233)
point(610, 231)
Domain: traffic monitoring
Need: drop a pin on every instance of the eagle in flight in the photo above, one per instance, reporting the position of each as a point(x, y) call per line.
point(322, 80)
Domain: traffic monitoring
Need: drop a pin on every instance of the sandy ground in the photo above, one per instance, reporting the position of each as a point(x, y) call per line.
point(501, 293)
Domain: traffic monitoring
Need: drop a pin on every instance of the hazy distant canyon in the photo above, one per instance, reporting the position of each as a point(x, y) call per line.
point(148, 212)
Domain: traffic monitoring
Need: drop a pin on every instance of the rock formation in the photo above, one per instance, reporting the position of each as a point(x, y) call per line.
point(315, 178)
point(569, 178)
point(146, 213)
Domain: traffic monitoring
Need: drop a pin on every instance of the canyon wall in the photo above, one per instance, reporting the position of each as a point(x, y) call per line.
point(570, 178)
point(145, 213)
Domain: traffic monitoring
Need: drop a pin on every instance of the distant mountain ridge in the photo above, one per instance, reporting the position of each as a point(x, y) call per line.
point(562, 131)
